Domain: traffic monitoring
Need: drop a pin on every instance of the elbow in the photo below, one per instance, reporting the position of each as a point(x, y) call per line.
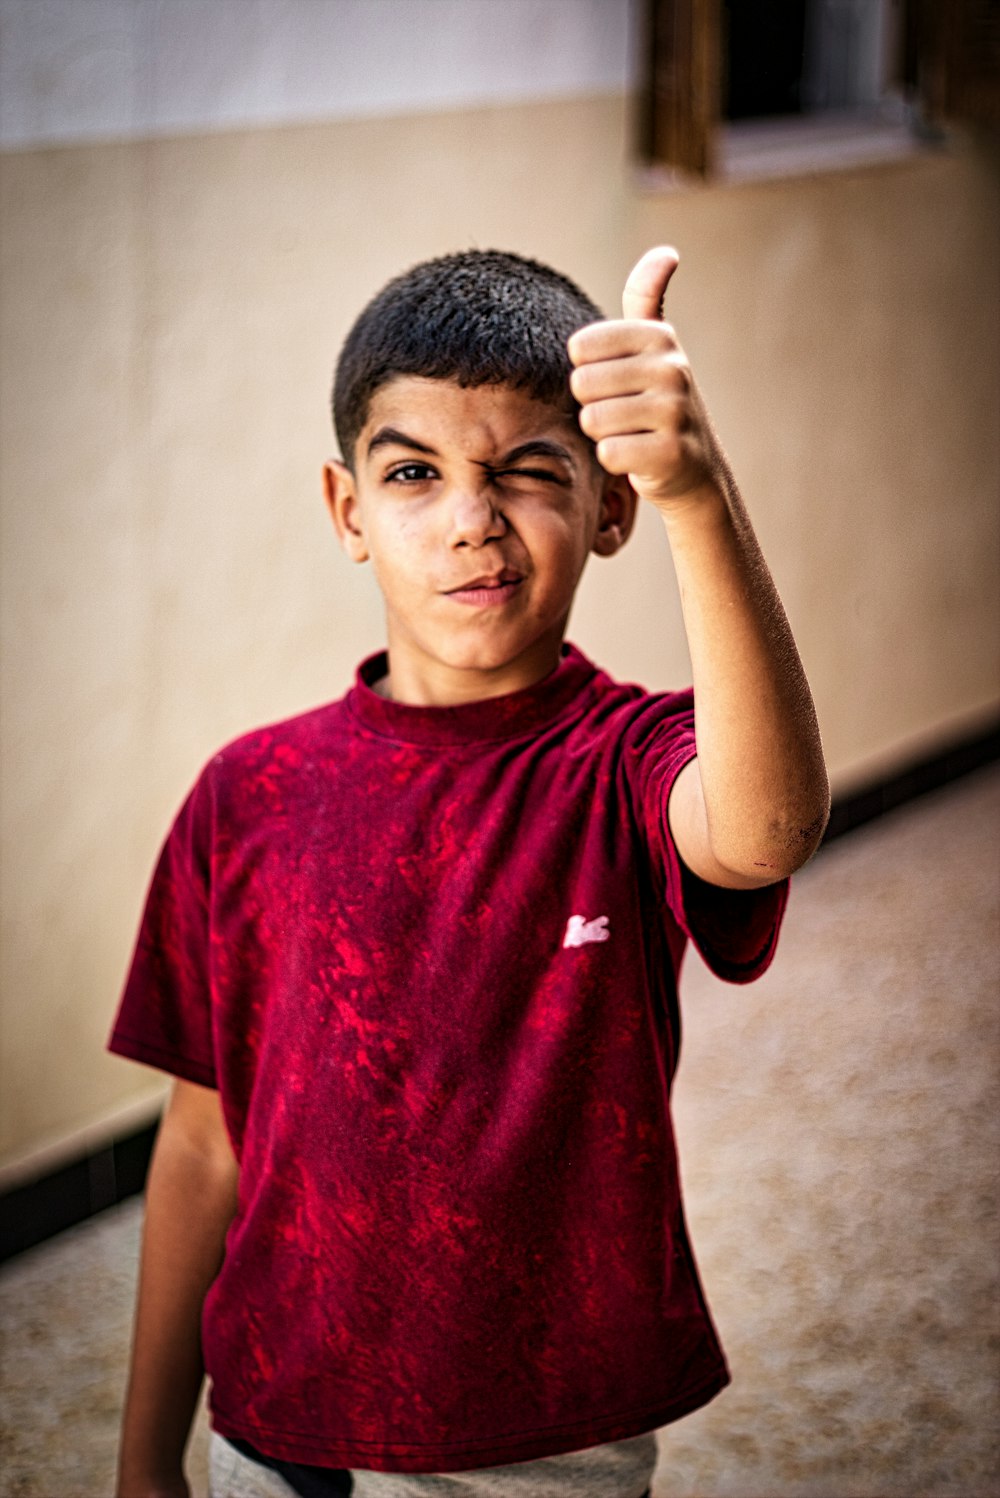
point(779, 850)
point(807, 838)
point(802, 837)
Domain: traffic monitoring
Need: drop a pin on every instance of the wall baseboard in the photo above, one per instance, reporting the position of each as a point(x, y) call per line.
point(38, 1210)
point(929, 773)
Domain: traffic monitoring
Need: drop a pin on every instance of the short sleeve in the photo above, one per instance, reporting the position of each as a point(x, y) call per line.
point(165, 1015)
point(735, 931)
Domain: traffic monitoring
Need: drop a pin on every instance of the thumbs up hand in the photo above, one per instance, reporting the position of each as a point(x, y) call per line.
point(638, 399)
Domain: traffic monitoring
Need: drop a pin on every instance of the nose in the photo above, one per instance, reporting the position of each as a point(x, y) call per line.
point(475, 516)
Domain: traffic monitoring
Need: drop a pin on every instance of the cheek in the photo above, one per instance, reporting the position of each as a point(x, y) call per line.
point(396, 544)
point(565, 537)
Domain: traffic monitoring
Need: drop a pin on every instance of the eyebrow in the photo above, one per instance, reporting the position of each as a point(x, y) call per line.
point(393, 437)
point(537, 447)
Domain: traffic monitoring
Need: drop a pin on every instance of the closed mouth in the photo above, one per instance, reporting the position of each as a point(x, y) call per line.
point(490, 588)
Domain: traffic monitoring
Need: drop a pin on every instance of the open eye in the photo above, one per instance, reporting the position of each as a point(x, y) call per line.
point(410, 473)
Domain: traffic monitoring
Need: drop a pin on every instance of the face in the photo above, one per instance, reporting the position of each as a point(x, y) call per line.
point(477, 509)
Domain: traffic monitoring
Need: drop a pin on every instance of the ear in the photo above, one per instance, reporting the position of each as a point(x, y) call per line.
point(341, 494)
point(616, 516)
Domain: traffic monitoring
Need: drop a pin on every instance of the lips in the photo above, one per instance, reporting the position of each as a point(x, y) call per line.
point(489, 580)
point(489, 590)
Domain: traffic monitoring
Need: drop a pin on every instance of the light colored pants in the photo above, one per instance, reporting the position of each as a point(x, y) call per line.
point(623, 1469)
point(232, 1475)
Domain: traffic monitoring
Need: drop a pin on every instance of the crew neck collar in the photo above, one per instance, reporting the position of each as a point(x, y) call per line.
point(506, 717)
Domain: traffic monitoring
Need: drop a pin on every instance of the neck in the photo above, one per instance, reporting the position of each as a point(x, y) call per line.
point(427, 683)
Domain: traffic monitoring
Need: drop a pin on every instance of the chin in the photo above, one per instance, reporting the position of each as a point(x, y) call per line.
point(482, 658)
point(488, 651)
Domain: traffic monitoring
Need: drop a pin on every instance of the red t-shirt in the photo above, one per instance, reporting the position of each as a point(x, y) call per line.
point(428, 956)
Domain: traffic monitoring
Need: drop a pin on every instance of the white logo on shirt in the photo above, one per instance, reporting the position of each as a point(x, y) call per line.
point(580, 930)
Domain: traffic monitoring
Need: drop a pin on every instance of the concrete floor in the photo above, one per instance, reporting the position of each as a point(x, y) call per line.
point(839, 1126)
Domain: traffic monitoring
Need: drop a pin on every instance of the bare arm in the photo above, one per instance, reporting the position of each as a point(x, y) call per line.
point(753, 806)
point(190, 1201)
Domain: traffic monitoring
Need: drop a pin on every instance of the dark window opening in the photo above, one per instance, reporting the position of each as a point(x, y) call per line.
point(763, 58)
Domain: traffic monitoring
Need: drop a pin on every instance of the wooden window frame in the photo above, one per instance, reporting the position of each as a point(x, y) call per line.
point(948, 67)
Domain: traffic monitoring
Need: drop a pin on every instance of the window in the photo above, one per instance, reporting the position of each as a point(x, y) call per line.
point(759, 87)
point(795, 57)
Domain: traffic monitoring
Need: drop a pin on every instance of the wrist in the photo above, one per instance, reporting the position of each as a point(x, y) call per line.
point(703, 508)
point(159, 1484)
point(149, 1467)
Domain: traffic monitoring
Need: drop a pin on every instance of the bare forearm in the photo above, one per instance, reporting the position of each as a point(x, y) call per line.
point(762, 773)
point(189, 1204)
point(752, 806)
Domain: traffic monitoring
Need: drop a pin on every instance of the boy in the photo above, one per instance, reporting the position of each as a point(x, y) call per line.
point(412, 957)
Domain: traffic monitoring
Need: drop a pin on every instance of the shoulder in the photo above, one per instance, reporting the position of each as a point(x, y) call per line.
point(625, 711)
point(265, 767)
point(285, 743)
point(642, 738)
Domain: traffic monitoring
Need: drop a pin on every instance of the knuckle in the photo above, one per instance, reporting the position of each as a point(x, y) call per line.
point(682, 375)
point(670, 452)
point(665, 408)
point(661, 339)
point(672, 374)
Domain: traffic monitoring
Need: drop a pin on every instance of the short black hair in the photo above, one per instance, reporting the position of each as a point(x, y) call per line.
point(478, 317)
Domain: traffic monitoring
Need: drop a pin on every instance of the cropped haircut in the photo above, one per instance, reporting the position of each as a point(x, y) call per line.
point(478, 317)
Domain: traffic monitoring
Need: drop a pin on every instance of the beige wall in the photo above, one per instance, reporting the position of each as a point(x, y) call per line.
point(846, 328)
point(171, 312)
